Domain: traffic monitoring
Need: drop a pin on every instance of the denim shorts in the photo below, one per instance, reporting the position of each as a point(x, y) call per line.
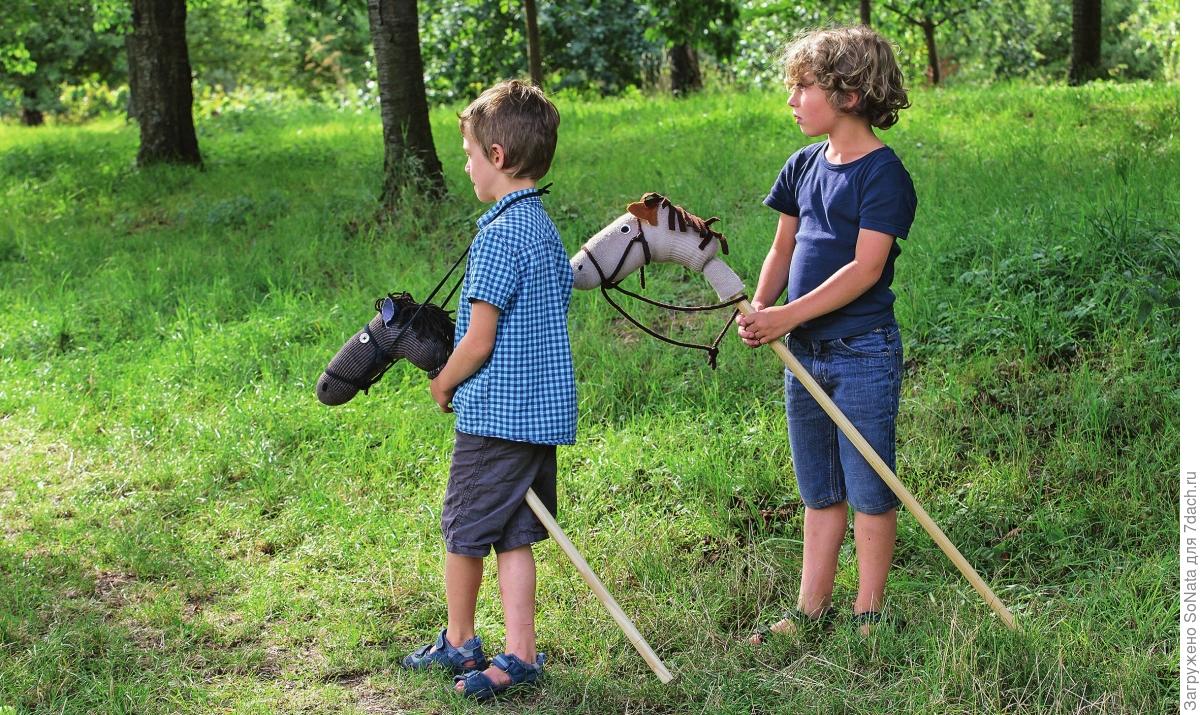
point(485, 505)
point(862, 375)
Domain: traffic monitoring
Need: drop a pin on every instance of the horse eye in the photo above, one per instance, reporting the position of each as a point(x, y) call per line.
point(624, 229)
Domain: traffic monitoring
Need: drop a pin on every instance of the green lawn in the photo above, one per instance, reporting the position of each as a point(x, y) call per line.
point(184, 528)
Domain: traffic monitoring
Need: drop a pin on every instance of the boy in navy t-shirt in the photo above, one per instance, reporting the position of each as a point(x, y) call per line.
point(843, 202)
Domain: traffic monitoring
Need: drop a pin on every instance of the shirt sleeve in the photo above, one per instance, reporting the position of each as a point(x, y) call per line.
point(493, 271)
point(889, 201)
point(782, 197)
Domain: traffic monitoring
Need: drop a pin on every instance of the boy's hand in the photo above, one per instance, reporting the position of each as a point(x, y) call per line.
point(441, 395)
point(763, 326)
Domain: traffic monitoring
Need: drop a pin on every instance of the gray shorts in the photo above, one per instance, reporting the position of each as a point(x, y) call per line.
point(485, 505)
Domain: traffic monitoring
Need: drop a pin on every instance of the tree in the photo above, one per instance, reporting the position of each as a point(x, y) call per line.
point(51, 43)
point(534, 41)
point(408, 151)
point(864, 12)
point(1085, 41)
point(687, 25)
point(929, 15)
point(160, 82)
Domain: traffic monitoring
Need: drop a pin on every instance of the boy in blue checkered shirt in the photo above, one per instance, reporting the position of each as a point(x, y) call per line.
point(511, 384)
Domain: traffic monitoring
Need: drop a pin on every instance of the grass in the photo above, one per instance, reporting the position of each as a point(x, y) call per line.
point(183, 528)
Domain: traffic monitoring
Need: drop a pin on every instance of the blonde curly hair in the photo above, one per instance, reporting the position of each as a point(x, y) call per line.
point(845, 61)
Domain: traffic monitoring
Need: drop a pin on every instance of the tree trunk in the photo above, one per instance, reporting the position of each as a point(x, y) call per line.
point(864, 12)
point(160, 78)
point(408, 151)
point(1085, 41)
point(685, 70)
point(31, 116)
point(534, 42)
point(934, 72)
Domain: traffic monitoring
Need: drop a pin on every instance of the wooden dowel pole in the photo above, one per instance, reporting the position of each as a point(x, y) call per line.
point(887, 475)
point(614, 609)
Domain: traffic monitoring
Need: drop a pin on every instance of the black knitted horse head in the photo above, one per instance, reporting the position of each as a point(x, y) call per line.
point(401, 329)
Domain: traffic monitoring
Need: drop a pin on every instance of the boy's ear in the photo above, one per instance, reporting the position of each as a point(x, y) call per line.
point(852, 99)
point(496, 156)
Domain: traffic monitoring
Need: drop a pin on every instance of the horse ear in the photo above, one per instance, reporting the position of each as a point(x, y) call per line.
point(711, 221)
point(645, 210)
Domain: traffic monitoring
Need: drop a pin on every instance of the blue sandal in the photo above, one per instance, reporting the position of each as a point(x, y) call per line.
point(442, 654)
point(479, 686)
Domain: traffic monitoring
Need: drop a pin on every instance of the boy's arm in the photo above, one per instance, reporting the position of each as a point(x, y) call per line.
point(849, 282)
point(773, 277)
point(472, 352)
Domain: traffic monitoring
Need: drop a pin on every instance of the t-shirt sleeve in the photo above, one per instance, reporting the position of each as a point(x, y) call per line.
point(782, 197)
point(889, 201)
point(494, 274)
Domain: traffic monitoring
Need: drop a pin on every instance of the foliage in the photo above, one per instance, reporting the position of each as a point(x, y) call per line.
point(322, 49)
point(705, 24)
point(586, 45)
point(1141, 39)
point(49, 44)
point(995, 40)
point(766, 27)
point(184, 529)
point(600, 46)
point(467, 46)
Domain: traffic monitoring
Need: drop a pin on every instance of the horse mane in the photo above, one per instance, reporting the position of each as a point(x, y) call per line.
point(428, 319)
point(678, 218)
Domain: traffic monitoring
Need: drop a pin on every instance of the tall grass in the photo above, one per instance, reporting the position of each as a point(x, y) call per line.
point(183, 528)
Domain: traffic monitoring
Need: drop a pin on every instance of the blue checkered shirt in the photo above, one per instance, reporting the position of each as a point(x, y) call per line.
point(525, 392)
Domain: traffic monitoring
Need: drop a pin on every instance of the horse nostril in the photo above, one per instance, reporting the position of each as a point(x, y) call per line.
point(324, 387)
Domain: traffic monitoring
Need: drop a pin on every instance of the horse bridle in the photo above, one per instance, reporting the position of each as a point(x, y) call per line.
point(384, 356)
point(607, 282)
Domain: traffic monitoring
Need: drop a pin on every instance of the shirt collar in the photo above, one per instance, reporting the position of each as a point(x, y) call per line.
point(504, 202)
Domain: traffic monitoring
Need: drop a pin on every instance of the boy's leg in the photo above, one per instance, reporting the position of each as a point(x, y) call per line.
point(813, 440)
point(871, 368)
point(518, 582)
point(463, 576)
point(824, 532)
point(874, 542)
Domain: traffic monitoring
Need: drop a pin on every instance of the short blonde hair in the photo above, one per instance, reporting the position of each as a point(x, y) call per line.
point(847, 60)
point(516, 115)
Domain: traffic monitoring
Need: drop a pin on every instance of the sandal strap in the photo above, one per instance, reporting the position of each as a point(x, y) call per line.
point(476, 684)
point(466, 650)
point(518, 669)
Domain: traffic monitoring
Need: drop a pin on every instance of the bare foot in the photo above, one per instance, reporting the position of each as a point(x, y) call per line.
point(867, 622)
point(783, 626)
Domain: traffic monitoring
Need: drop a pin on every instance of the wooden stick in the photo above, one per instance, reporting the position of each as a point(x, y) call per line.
point(886, 474)
point(614, 609)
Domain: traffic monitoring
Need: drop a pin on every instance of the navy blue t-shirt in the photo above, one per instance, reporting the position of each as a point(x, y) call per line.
point(833, 201)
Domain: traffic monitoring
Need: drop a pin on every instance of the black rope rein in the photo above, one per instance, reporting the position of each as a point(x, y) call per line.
point(607, 283)
point(435, 320)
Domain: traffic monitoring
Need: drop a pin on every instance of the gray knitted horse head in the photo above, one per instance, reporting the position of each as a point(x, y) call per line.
point(401, 329)
point(654, 229)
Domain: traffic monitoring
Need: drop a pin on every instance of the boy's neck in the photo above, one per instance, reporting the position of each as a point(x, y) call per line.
point(851, 139)
point(507, 185)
